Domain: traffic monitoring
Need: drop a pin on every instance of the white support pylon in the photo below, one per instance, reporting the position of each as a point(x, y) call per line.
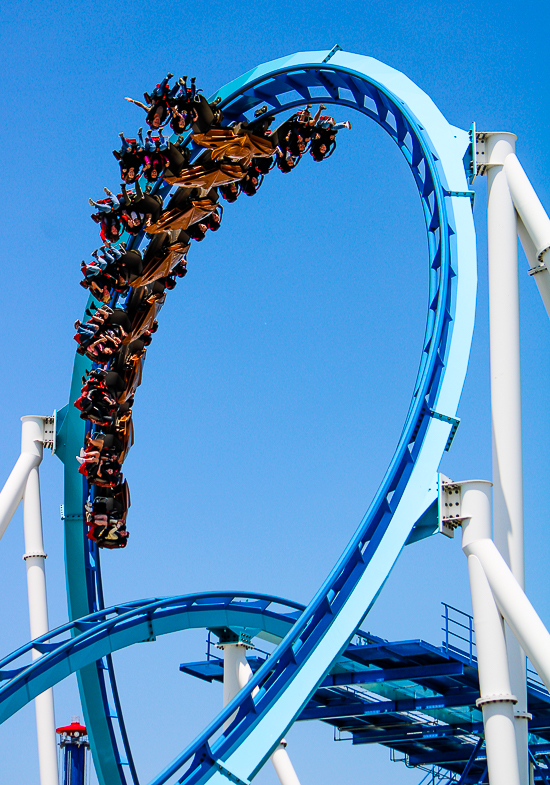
point(506, 401)
point(496, 701)
point(24, 483)
point(236, 673)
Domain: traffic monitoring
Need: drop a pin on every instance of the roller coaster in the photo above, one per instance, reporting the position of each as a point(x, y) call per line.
point(321, 653)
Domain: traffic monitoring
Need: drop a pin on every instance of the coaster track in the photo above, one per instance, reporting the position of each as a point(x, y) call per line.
point(435, 152)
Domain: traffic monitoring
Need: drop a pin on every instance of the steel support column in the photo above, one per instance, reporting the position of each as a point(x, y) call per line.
point(496, 701)
point(506, 401)
point(236, 673)
point(32, 442)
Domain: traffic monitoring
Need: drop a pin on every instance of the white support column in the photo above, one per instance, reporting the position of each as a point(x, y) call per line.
point(506, 400)
point(32, 439)
point(236, 673)
point(283, 766)
point(496, 701)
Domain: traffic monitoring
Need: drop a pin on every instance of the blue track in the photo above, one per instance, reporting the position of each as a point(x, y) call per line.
point(434, 151)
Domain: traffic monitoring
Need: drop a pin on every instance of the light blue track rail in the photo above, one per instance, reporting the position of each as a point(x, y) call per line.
point(434, 151)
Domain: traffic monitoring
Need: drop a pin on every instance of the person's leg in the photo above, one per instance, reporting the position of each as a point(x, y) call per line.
point(159, 89)
point(124, 144)
point(103, 207)
point(163, 141)
point(107, 256)
point(150, 145)
point(114, 199)
point(104, 262)
point(127, 198)
point(92, 270)
point(318, 114)
point(87, 330)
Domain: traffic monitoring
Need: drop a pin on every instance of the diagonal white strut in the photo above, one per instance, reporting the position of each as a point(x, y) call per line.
point(236, 674)
point(533, 225)
point(12, 492)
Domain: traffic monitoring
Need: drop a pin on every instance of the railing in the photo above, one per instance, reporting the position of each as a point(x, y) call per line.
point(436, 776)
point(460, 638)
point(459, 626)
point(213, 644)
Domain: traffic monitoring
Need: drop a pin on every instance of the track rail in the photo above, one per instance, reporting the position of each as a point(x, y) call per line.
point(82, 642)
point(434, 151)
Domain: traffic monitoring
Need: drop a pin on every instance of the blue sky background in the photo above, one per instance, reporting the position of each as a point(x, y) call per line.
point(277, 385)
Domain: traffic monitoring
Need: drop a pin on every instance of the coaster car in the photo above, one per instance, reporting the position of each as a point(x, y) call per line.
point(182, 218)
point(143, 308)
point(162, 256)
point(121, 430)
point(208, 176)
point(176, 160)
point(132, 375)
point(206, 115)
point(237, 146)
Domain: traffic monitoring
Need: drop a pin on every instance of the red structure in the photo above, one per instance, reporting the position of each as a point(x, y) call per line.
point(74, 743)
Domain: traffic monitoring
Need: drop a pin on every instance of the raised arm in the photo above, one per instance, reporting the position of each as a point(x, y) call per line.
point(138, 103)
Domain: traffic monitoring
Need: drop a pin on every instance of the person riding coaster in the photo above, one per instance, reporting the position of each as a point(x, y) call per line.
point(179, 105)
point(255, 175)
point(139, 210)
point(237, 159)
point(323, 143)
point(117, 273)
point(106, 511)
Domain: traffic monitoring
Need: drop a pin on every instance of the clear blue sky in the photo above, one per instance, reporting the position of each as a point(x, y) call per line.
point(277, 384)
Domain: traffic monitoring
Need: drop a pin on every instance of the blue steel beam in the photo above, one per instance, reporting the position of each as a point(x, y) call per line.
point(444, 757)
point(424, 732)
point(412, 673)
point(434, 151)
point(98, 635)
point(417, 673)
point(541, 772)
point(369, 708)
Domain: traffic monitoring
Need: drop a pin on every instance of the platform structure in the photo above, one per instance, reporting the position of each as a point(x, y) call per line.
point(417, 699)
